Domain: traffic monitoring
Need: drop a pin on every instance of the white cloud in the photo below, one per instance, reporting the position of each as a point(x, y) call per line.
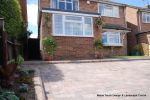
point(33, 35)
point(32, 10)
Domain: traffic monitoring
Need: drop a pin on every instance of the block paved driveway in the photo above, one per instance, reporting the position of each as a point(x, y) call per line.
point(84, 81)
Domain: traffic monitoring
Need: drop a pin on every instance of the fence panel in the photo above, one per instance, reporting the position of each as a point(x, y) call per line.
point(0, 50)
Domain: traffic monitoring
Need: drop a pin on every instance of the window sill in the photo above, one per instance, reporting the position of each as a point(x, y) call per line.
point(146, 22)
point(111, 45)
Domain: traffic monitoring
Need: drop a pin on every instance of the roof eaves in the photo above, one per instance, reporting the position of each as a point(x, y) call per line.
point(51, 10)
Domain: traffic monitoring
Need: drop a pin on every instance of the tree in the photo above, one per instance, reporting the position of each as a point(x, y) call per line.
point(11, 12)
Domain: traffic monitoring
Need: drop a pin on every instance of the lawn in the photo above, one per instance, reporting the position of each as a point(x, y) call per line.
point(128, 57)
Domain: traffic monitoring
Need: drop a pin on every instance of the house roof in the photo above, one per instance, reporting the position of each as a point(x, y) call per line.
point(116, 27)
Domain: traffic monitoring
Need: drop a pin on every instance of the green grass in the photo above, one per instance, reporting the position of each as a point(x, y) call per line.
point(126, 57)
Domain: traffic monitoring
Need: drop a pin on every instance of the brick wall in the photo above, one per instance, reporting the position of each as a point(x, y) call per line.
point(133, 24)
point(82, 47)
point(44, 3)
point(144, 26)
point(144, 40)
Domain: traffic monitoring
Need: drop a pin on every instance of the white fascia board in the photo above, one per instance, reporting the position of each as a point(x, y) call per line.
point(70, 13)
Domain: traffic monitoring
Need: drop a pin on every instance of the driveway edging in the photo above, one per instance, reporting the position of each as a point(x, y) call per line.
point(38, 86)
point(83, 61)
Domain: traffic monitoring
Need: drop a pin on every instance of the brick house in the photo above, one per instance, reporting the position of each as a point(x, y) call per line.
point(72, 24)
point(138, 20)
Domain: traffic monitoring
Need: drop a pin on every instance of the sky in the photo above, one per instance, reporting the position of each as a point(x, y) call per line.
point(32, 9)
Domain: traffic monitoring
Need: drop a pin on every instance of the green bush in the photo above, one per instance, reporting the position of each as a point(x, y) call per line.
point(99, 22)
point(11, 12)
point(98, 44)
point(49, 45)
point(19, 61)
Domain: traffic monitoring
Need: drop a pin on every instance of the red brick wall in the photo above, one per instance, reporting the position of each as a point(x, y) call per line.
point(144, 26)
point(74, 48)
point(82, 47)
point(132, 23)
point(144, 40)
point(44, 3)
point(118, 21)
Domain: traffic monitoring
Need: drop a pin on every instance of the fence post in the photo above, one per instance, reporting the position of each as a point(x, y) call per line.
point(4, 43)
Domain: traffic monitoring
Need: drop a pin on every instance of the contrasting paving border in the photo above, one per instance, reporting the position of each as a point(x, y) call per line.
point(84, 81)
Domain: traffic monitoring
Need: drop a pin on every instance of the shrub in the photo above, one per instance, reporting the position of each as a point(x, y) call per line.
point(99, 22)
point(10, 11)
point(98, 44)
point(49, 45)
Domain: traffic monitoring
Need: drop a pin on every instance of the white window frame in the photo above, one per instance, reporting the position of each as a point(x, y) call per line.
point(64, 34)
point(118, 15)
point(113, 44)
point(65, 4)
point(145, 14)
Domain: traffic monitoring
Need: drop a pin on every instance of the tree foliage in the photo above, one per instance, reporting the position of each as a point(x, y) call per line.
point(11, 12)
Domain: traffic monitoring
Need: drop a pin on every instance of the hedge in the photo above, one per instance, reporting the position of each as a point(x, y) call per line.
point(11, 12)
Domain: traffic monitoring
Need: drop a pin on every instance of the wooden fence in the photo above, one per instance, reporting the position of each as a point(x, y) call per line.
point(9, 48)
point(13, 49)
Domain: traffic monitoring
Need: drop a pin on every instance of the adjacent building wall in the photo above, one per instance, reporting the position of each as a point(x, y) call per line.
point(133, 24)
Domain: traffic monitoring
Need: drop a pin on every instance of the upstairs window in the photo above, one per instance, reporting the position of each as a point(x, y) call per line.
point(66, 4)
point(146, 17)
point(108, 10)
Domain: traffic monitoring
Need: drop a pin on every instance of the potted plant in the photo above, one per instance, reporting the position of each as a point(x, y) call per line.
point(98, 48)
point(49, 47)
point(99, 22)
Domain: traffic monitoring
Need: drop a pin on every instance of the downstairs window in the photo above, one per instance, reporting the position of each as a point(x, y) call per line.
point(68, 25)
point(111, 39)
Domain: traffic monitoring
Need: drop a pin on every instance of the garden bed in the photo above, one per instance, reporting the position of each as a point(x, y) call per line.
point(22, 87)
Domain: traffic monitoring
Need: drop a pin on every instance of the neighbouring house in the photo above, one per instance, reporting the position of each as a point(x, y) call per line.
point(72, 24)
point(138, 20)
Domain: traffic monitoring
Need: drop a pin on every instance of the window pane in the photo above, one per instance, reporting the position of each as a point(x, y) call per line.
point(101, 9)
point(62, 5)
point(144, 17)
point(75, 5)
point(54, 3)
point(73, 29)
point(77, 29)
point(69, 6)
point(108, 11)
point(88, 26)
point(68, 28)
point(114, 38)
point(104, 38)
point(115, 11)
point(73, 18)
point(58, 29)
